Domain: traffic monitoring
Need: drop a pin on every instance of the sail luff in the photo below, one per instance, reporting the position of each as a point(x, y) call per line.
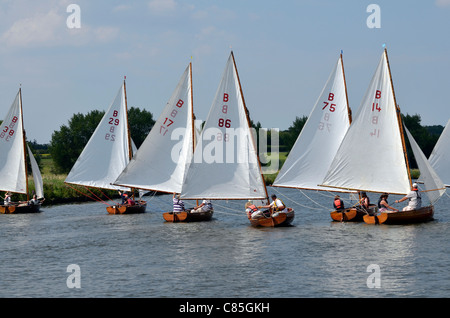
point(349, 111)
point(24, 144)
point(399, 119)
point(248, 123)
point(130, 149)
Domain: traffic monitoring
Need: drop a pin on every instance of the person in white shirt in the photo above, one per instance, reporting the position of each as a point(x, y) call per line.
point(276, 206)
point(205, 206)
point(415, 200)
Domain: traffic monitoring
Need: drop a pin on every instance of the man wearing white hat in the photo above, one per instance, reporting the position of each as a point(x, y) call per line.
point(415, 200)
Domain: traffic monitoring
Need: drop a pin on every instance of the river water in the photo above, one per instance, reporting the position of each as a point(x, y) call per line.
point(143, 256)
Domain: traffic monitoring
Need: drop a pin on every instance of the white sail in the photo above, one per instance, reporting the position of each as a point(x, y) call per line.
point(12, 156)
point(319, 140)
point(107, 152)
point(428, 176)
point(225, 163)
point(440, 156)
point(161, 161)
point(38, 183)
point(371, 156)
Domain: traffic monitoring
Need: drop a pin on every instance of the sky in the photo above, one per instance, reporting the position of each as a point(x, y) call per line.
point(284, 51)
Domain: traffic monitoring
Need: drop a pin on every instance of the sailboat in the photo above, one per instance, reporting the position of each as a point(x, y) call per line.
point(440, 156)
point(319, 140)
point(225, 164)
point(161, 162)
point(380, 163)
point(106, 154)
point(13, 167)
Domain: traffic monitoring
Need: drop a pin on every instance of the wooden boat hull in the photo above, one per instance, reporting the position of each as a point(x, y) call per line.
point(139, 207)
point(423, 214)
point(18, 209)
point(282, 219)
point(187, 216)
point(351, 214)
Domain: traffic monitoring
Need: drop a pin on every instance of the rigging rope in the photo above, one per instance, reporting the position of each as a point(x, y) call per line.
point(99, 200)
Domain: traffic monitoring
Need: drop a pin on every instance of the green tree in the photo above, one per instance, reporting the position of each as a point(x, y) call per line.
point(140, 122)
point(68, 143)
point(422, 136)
point(289, 136)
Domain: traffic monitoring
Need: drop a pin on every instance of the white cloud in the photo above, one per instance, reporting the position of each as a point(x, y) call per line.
point(49, 28)
point(41, 28)
point(443, 3)
point(162, 6)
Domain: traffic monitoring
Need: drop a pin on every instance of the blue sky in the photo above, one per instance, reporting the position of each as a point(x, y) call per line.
point(284, 51)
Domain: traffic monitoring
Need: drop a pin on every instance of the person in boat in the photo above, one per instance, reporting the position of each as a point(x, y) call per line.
point(124, 197)
point(252, 211)
point(383, 205)
point(364, 202)
point(130, 201)
point(414, 197)
point(205, 206)
point(7, 200)
point(178, 204)
point(276, 206)
point(338, 204)
point(35, 200)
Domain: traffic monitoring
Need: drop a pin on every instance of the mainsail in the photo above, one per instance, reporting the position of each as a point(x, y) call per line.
point(440, 156)
point(108, 150)
point(319, 140)
point(12, 153)
point(161, 162)
point(12, 162)
point(225, 164)
point(371, 156)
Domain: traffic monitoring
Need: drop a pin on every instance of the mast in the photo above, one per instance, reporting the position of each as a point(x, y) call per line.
point(130, 151)
point(192, 108)
point(248, 122)
point(24, 143)
point(399, 120)
point(345, 87)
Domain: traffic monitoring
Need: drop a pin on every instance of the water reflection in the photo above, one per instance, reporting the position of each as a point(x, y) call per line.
point(143, 256)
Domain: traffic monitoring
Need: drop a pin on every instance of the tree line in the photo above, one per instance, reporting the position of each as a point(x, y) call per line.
point(68, 142)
